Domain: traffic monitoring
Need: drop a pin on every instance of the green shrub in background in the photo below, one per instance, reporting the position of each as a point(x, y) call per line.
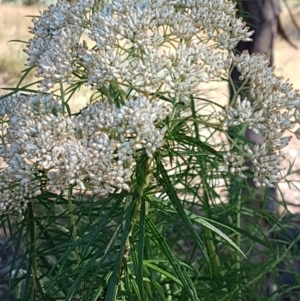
point(125, 199)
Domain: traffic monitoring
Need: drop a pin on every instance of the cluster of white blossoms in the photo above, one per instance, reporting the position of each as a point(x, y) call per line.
point(94, 151)
point(134, 44)
point(234, 163)
point(271, 109)
point(56, 44)
point(20, 176)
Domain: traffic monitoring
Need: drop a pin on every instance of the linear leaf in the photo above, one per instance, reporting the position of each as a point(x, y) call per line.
point(186, 281)
point(165, 182)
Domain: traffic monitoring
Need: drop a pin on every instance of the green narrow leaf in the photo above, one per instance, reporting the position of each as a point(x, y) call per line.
point(71, 246)
point(127, 282)
point(19, 41)
point(28, 280)
point(135, 287)
point(26, 72)
point(113, 281)
point(204, 222)
point(99, 266)
point(186, 281)
point(23, 89)
point(141, 243)
point(170, 191)
point(162, 272)
point(156, 285)
point(103, 223)
point(208, 224)
point(136, 264)
point(89, 239)
point(195, 142)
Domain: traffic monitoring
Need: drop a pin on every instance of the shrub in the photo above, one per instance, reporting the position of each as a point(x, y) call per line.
point(124, 199)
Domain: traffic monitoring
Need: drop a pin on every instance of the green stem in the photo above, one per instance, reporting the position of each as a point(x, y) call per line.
point(209, 242)
point(73, 224)
point(34, 273)
point(238, 242)
point(64, 102)
point(143, 174)
point(142, 182)
point(62, 95)
point(146, 283)
point(33, 246)
point(236, 92)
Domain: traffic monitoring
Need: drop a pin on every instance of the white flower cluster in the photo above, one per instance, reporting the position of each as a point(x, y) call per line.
point(234, 164)
point(242, 113)
point(274, 102)
point(19, 175)
point(134, 44)
point(217, 19)
point(266, 167)
point(55, 46)
point(271, 109)
point(136, 126)
point(92, 151)
point(133, 41)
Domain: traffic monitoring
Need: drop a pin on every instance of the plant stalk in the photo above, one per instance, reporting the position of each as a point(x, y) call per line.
point(73, 224)
point(212, 253)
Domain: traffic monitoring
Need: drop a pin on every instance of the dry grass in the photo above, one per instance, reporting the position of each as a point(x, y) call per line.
point(14, 26)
